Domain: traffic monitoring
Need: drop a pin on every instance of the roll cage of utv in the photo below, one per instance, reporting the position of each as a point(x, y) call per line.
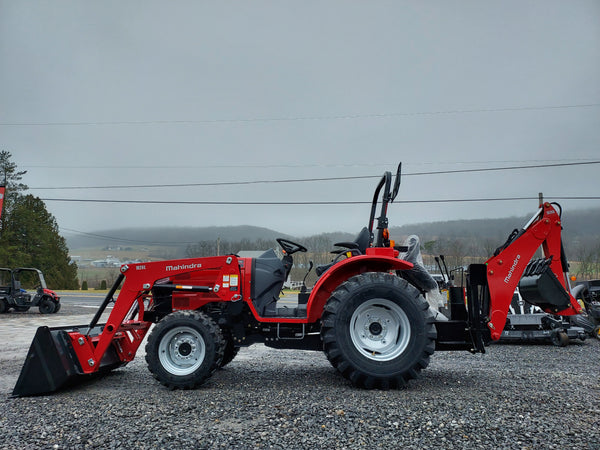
point(13, 296)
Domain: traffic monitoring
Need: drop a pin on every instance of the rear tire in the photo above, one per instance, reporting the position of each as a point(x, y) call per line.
point(377, 330)
point(47, 306)
point(3, 306)
point(230, 351)
point(184, 349)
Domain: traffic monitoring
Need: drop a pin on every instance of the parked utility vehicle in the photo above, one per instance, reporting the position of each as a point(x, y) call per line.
point(13, 295)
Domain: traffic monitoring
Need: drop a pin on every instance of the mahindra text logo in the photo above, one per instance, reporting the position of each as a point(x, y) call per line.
point(512, 269)
point(184, 266)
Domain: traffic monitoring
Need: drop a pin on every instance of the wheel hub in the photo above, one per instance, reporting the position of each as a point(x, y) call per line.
point(181, 350)
point(375, 328)
point(185, 348)
point(380, 329)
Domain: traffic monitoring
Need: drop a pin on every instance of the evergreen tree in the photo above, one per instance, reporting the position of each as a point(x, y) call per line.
point(11, 178)
point(29, 235)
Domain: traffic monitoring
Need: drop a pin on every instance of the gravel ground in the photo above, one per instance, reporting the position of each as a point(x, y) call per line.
point(514, 397)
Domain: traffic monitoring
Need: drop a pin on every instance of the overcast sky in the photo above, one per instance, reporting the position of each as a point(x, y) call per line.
point(120, 93)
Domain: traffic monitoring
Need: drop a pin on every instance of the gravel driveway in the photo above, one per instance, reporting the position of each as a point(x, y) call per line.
point(514, 396)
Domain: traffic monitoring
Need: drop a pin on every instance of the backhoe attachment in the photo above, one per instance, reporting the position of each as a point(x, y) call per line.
point(543, 282)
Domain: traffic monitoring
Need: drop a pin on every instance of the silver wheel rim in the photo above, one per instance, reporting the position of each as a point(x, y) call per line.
point(181, 351)
point(380, 329)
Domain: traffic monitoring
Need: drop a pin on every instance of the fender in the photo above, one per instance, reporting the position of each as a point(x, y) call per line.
point(346, 269)
point(53, 295)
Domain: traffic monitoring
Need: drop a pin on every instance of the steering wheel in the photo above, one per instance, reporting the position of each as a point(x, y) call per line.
point(290, 247)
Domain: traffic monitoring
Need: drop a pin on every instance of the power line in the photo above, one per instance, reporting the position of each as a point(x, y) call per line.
point(304, 180)
point(279, 166)
point(133, 241)
point(219, 183)
point(298, 118)
point(289, 203)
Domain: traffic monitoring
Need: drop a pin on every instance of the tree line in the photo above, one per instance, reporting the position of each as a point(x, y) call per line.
point(29, 234)
point(459, 251)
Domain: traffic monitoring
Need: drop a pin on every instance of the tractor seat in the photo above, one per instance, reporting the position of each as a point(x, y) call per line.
point(360, 243)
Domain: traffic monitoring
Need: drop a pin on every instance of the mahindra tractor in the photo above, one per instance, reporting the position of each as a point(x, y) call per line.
point(368, 310)
point(13, 294)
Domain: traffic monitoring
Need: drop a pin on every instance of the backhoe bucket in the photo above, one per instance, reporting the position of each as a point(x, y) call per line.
point(52, 364)
point(540, 287)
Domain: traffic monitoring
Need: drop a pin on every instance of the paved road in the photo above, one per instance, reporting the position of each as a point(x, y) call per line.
point(87, 300)
point(93, 300)
point(17, 329)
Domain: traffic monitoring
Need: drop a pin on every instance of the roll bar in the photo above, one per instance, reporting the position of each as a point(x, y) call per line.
point(388, 197)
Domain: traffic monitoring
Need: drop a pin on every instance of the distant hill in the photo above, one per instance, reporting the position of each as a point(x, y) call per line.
point(579, 226)
point(576, 224)
point(167, 236)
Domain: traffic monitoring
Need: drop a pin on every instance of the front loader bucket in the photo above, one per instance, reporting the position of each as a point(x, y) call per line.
point(52, 364)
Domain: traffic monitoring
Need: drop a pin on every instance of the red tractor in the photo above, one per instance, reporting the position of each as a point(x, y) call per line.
point(12, 294)
point(367, 311)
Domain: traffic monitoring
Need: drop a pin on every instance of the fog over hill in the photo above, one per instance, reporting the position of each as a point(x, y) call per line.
point(576, 224)
point(579, 226)
point(168, 236)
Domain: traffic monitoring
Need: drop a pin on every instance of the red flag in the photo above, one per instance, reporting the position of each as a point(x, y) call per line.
point(2, 189)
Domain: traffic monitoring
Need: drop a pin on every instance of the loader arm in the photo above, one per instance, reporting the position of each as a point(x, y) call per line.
point(65, 355)
point(504, 270)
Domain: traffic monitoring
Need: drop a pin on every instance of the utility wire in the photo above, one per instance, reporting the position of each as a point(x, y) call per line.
point(298, 118)
point(134, 241)
point(281, 166)
point(304, 180)
point(192, 202)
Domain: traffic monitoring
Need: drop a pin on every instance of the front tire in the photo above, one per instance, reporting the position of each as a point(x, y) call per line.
point(377, 330)
point(184, 349)
point(47, 306)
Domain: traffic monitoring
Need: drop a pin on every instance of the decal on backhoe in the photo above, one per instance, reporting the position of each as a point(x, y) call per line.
point(512, 269)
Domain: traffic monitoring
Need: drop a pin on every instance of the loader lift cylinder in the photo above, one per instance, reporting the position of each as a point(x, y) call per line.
point(107, 300)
